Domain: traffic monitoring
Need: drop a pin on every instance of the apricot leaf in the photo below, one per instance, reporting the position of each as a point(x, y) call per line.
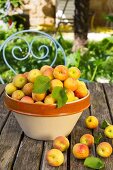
point(94, 163)
point(60, 96)
point(97, 138)
point(104, 124)
point(41, 84)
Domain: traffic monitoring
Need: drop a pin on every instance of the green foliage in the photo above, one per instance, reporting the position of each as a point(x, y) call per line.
point(73, 59)
point(41, 84)
point(109, 18)
point(95, 61)
point(104, 124)
point(60, 96)
point(94, 163)
point(97, 138)
point(14, 3)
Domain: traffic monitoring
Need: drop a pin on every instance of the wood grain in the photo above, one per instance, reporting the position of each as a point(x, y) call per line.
point(79, 130)
point(99, 108)
point(29, 155)
point(19, 152)
point(4, 113)
point(9, 141)
point(44, 163)
point(2, 87)
point(109, 94)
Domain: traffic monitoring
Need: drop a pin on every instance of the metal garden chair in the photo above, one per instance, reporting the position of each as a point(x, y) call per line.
point(43, 50)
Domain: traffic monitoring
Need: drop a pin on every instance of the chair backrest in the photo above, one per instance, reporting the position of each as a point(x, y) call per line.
point(36, 47)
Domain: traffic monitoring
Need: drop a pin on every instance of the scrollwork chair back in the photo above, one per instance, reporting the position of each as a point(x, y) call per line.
point(43, 49)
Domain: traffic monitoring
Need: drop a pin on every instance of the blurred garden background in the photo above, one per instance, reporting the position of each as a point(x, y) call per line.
point(83, 28)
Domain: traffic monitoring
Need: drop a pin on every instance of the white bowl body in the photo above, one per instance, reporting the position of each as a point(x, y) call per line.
point(47, 128)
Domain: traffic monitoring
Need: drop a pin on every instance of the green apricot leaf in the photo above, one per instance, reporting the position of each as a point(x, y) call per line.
point(60, 96)
point(41, 84)
point(104, 124)
point(97, 138)
point(94, 163)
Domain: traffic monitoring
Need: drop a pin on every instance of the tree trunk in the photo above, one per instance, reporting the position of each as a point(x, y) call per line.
point(80, 24)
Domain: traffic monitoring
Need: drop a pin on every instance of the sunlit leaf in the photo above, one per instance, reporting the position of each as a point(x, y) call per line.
point(104, 124)
point(94, 163)
point(41, 84)
point(60, 96)
point(97, 138)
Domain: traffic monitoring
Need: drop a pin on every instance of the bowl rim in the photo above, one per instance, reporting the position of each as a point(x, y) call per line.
point(47, 110)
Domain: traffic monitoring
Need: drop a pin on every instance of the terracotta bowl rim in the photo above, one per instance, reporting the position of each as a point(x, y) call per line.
point(51, 110)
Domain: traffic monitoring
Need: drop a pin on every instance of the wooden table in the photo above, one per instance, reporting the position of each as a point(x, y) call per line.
point(19, 152)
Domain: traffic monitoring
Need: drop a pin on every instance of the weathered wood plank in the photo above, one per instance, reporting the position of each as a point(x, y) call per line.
point(99, 106)
point(100, 109)
point(109, 94)
point(30, 151)
point(9, 141)
point(44, 164)
point(4, 113)
point(1, 88)
point(79, 130)
point(29, 155)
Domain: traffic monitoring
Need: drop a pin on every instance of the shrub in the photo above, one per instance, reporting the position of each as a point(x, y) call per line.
point(95, 61)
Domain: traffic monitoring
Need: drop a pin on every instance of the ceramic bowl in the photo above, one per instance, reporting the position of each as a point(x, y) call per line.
point(45, 122)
